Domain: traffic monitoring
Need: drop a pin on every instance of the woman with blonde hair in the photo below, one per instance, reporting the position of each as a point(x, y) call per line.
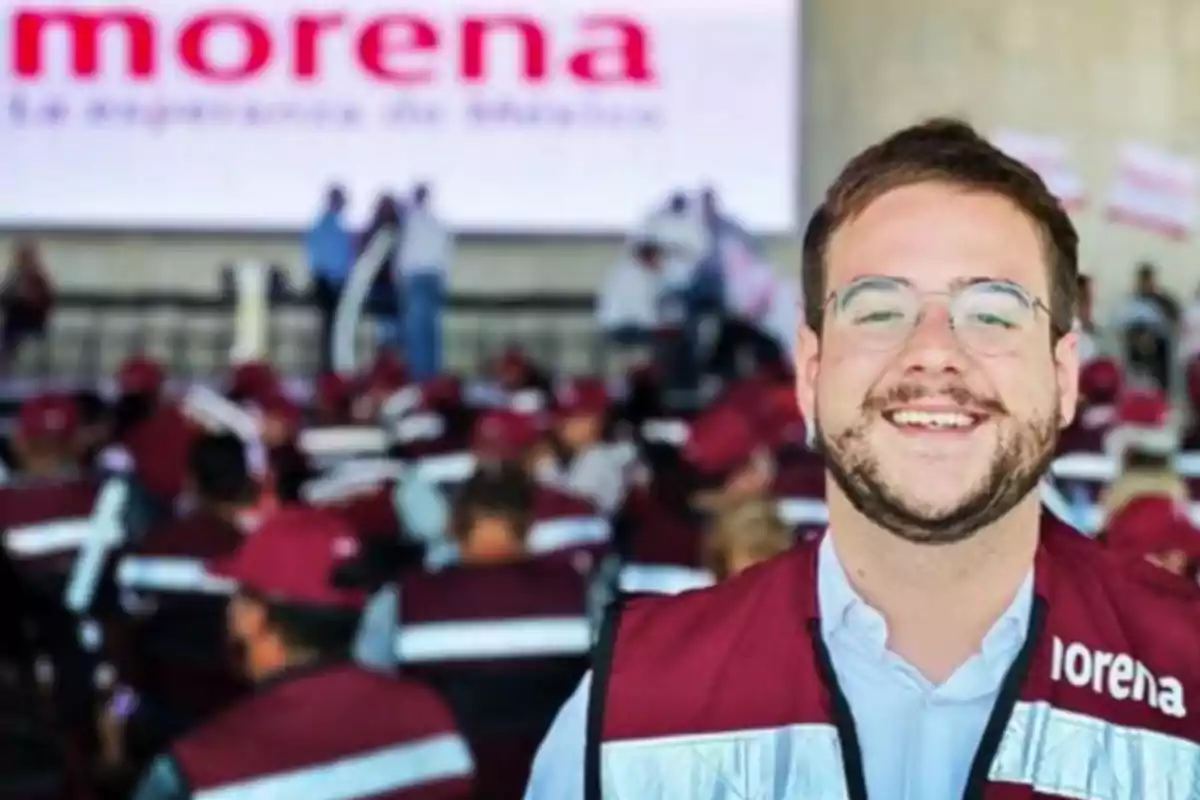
point(742, 535)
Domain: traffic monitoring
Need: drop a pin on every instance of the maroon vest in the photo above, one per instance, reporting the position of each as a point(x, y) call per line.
point(660, 544)
point(372, 515)
point(506, 644)
point(732, 689)
point(171, 645)
point(330, 732)
point(44, 523)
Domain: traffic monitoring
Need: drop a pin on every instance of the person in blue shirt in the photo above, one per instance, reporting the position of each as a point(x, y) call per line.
point(329, 248)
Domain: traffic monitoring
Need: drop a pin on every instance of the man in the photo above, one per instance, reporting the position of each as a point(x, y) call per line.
point(152, 435)
point(502, 634)
point(315, 726)
point(644, 308)
point(330, 251)
point(26, 300)
point(579, 461)
point(933, 643)
point(44, 439)
point(1149, 321)
point(426, 248)
point(175, 660)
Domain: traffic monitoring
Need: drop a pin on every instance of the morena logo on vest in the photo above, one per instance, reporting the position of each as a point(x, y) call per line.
point(1118, 675)
point(394, 48)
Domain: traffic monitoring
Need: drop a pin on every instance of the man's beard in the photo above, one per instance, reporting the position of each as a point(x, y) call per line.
point(1016, 469)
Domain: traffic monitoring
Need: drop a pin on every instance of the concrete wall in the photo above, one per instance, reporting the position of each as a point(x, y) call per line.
point(1094, 71)
point(1097, 72)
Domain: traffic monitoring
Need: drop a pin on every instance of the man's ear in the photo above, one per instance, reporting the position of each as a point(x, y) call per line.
point(1066, 367)
point(808, 360)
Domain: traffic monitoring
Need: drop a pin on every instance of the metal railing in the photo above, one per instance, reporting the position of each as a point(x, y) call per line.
point(90, 333)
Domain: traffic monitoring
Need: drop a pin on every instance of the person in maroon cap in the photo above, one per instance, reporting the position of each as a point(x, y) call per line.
point(251, 381)
point(152, 435)
point(168, 642)
point(140, 382)
point(502, 633)
point(1100, 383)
point(43, 442)
point(661, 526)
point(331, 399)
point(316, 726)
point(579, 461)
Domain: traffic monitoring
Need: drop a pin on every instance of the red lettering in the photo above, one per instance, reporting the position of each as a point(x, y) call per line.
point(627, 60)
point(388, 46)
point(396, 48)
point(195, 35)
point(83, 28)
point(474, 46)
point(308, 28)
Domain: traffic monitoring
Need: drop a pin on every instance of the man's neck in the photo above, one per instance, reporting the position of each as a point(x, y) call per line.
point(939, 601)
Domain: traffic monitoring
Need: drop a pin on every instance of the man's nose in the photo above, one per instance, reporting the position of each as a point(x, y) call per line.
point(932, 345)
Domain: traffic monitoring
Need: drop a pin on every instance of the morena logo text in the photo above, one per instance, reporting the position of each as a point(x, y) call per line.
point(395, 48)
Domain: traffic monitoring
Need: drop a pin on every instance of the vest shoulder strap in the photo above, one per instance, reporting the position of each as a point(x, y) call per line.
point(602, 657)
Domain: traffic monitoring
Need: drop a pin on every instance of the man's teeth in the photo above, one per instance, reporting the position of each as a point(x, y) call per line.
point(933, 419)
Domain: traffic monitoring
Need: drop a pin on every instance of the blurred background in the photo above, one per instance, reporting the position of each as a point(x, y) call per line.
point(521, 272)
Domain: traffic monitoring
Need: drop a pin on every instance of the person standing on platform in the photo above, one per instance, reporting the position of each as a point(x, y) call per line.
point(426, 249)
point(329, 248)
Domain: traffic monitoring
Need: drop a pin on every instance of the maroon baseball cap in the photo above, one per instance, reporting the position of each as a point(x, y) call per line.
point(139, 374)
point(292, 556)
point(47, 416)
point(504, 434)
point(253, 380)
point(581, 396)
point(722, 441)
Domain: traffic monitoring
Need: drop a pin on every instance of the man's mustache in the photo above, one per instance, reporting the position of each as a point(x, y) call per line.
point(905, 393)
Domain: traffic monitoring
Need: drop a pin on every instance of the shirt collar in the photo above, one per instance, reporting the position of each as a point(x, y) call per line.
point(843, 610)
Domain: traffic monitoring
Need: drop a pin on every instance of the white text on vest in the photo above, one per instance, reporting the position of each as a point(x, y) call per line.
point(1118, 675)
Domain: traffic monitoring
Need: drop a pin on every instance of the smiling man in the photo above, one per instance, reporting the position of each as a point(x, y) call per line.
point(939, 642)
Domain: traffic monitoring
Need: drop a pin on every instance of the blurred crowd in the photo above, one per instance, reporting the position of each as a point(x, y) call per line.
point(386, 583)
point(215, 587)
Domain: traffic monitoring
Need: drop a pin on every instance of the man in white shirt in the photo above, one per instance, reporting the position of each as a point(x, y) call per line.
point(426, 248)
point(680, 227)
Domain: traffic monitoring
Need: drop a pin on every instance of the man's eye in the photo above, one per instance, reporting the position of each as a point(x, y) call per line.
point(877, 316)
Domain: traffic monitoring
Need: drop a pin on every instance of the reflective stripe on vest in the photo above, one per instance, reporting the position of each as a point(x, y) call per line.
point(662, 578)
point(485, 640)
point(388, 769)
point(170, 574)
point(793, 761)
point(1051, 750)
point(1065, 753)
point(803, 511)
point(48, 538)
point(560, 533)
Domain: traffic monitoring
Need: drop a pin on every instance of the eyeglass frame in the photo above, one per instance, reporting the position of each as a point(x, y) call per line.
point(961, 285)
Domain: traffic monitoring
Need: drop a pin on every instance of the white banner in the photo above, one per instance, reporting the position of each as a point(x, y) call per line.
point(1050, 157)
point(1154, 190)
point(525, 115)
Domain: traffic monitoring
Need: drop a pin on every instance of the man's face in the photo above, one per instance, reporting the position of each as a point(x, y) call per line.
point(881, 414)
point(578, 431)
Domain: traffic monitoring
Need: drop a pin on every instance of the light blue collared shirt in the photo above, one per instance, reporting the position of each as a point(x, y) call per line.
point(329, 248)
point(917, 740)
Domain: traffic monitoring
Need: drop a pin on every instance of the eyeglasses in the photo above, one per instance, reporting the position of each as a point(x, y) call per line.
point(988, 317)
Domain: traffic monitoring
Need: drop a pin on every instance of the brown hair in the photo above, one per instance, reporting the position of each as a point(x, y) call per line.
point(752, 528)
point(950, 151)
point(502, 490)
